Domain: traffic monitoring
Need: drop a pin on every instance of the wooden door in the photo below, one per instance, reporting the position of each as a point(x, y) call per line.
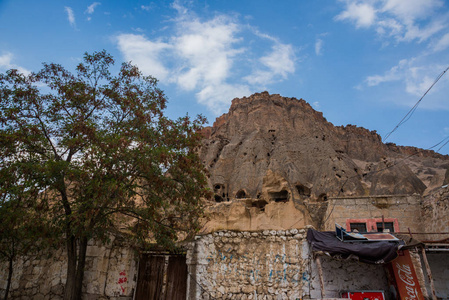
point(176, 278)
point(162, 277)
point(151, 277)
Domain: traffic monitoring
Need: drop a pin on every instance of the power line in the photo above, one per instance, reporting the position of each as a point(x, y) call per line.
point(443, 144)
point(412, 110)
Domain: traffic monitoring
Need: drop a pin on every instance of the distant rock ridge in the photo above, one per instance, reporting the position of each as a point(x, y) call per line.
point(270, 147)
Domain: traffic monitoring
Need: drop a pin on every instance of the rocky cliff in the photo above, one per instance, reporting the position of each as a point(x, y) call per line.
point(267, 145)
point(274, 149)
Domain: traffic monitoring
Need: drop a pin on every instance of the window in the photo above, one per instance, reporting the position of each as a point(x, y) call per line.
point(360, 227)
point(388, 225)
point(372, 225)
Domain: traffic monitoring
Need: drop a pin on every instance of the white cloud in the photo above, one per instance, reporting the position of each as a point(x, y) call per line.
point(399, 19)
point(217, 98)
point(70, 16)
point(5, 60)
point(203, 56)
point(417, 77)
point(91, 8)
point(6, 64)
point(275, 66)
point(207, 49)
point(442, 44)
point(446, 130)
point(281, 60)
point(394, 74)
point(146, 7)
point(410, 10)
point(421, 34)
point(144, 53)
point(319, 46)
point(363, 14)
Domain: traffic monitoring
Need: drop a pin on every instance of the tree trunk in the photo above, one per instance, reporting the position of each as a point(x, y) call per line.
point(69, 291)
point(8, 283)
point(76, 255)
point(80, 268)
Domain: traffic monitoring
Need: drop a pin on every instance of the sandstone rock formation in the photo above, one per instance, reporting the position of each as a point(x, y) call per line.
point(270, 150)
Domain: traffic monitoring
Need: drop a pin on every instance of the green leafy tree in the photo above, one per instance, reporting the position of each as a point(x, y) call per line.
point(102, 155)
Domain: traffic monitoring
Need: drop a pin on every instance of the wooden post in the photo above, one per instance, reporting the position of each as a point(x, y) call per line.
point(429, 273)
point(320, 273)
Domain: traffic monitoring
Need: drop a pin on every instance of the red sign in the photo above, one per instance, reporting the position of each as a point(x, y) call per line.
point(405, 277)
point(364, 295)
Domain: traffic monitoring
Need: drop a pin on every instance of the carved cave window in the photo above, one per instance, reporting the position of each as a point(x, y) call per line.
point(303, 190)
point(260, 204)
point(218, 198)
point(218, 186)
point(281, 196)
point(240, 194)
point(322, 197)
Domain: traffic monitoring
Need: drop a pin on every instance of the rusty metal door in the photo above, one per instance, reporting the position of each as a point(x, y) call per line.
point(162, 277)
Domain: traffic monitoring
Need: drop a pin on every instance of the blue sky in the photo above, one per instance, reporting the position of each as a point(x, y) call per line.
point(364, 62)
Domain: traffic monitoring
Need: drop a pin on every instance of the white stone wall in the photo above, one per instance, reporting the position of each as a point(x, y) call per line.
point(248, 265)
point(110, 274)
point(271, 265)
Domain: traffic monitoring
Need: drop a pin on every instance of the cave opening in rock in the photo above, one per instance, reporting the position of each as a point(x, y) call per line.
point(260, 204)
point(303, 190)
point(281, 196)
point(218, 198)
point(240, 194)
point(322, 197)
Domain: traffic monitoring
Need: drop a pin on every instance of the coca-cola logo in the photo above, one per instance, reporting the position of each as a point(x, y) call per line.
point(406, 276)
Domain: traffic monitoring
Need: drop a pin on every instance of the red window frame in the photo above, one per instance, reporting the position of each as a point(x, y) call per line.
point(372, 223)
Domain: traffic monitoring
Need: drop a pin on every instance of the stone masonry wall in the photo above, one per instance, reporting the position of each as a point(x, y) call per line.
point(435, 212)
point(405, 208)
point(249, 265)
point(110, 274)
point(270, 265)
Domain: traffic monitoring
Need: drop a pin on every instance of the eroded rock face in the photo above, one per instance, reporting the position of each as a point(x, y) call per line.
point(273, 149)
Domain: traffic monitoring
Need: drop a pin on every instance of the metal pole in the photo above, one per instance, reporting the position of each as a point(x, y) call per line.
point(429, 273)
point(320, 273)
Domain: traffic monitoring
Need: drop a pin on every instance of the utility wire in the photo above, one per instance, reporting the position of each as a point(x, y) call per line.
point(443, 144)
point(412, 110)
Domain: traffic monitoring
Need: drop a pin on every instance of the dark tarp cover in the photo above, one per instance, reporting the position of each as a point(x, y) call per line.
point(371, 252)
